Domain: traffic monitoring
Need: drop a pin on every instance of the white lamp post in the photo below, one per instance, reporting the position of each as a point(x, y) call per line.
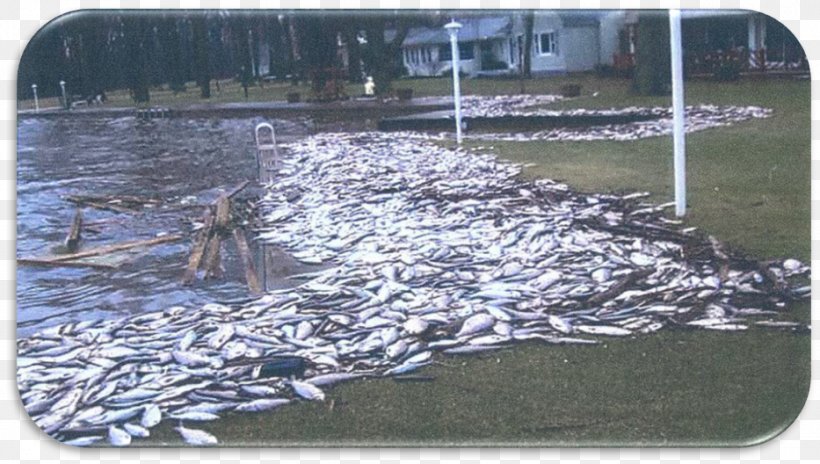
point(452, 28)
point(62, 88)
point(36, 101)
point(678, 128)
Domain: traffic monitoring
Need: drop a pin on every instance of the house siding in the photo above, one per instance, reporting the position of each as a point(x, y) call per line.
point(581, 48)
point(544, 23)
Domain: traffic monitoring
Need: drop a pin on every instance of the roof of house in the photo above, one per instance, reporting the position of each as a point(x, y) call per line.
point(580, 18)
point(472, 29)
point(489, 27)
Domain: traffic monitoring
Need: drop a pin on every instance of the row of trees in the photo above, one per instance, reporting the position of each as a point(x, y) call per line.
point(96, 51)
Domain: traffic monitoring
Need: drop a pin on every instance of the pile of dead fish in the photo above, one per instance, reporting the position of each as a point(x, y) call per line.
point(489, 106)
point(697, 118)
point(493, 106)
point(428, 252)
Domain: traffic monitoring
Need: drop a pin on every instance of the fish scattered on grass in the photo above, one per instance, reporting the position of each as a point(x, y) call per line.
point(429, 252)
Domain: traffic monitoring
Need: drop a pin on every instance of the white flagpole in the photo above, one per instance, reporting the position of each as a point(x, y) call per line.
point(678, 127)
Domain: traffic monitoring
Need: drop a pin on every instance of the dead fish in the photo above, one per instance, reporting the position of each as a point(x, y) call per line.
point(194, 416)
point(560, 324)
point(118, 437)
point(475, 324)
point(307, 391)
point(84, 441)
point(333, 378)
point(136, 430)
point(603, 330)
point(262, 405)
point(196, 437)
point(220, 337)
point(416, 326)
point(151, 416)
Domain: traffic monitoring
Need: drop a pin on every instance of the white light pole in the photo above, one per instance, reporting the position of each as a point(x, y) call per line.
point(452, 28)
point(678, 126)
point(62, 88)
point(36, 101)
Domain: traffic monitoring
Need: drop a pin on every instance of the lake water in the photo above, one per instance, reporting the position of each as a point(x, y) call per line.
point(177, 161)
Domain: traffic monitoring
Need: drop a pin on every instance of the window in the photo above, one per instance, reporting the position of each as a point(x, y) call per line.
point(465, 52)
point(546, 44)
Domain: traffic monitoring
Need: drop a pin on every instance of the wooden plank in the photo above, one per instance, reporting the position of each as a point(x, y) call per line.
point(101, 222)
point(223, 213)
point(213, 261)
point(49, 263)
point(72, 240)
point(199, 248)
point(244, 252)
point(114, 198)
point(108, 206)
point(213, 258)
point(237, 189)
point(112, 248)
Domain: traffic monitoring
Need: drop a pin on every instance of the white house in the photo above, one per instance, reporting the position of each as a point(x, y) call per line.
point(578, 40)
point(563, 41)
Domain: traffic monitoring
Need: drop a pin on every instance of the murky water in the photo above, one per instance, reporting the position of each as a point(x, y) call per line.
point(177, 161)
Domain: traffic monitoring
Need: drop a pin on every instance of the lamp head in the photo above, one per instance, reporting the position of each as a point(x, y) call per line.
point(452, 26)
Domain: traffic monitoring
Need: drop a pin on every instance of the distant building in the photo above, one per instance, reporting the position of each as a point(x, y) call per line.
point(562, 42)
point(572, 41)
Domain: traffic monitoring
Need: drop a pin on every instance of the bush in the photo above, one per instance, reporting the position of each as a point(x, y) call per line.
point(728, 70)
point(404, 94)
point(449, 73)
point(570, 90)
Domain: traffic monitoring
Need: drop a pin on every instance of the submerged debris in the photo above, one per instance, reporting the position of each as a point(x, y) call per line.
point(434, 250)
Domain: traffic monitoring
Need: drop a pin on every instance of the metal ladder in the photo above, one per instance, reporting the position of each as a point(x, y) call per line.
point(267, 152)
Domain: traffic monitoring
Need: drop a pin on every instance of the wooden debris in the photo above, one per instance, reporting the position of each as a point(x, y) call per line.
point(223, 213)
point(114, 198)
point(213, 259)
point(619, 287)
point(110, 207)
point(50, 263)
point(199, 248)
point(232, 193)
point(72, 240)
point(115, 247)
point(779, 284)
point(244, 252)
point(119, 203)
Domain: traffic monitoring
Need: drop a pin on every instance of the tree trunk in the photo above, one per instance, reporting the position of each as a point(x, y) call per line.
point(354, 56)
point(529, 24)
point(173, 62)
point(137, 35)
point(201, 48)
point(380, 56)
point(652, 60)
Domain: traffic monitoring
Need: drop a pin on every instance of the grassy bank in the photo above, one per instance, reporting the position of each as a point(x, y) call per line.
point(748, 185)
point(673, 388)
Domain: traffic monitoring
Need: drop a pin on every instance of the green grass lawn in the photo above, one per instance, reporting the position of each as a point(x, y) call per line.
point(749, 185)
point(673, 388)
